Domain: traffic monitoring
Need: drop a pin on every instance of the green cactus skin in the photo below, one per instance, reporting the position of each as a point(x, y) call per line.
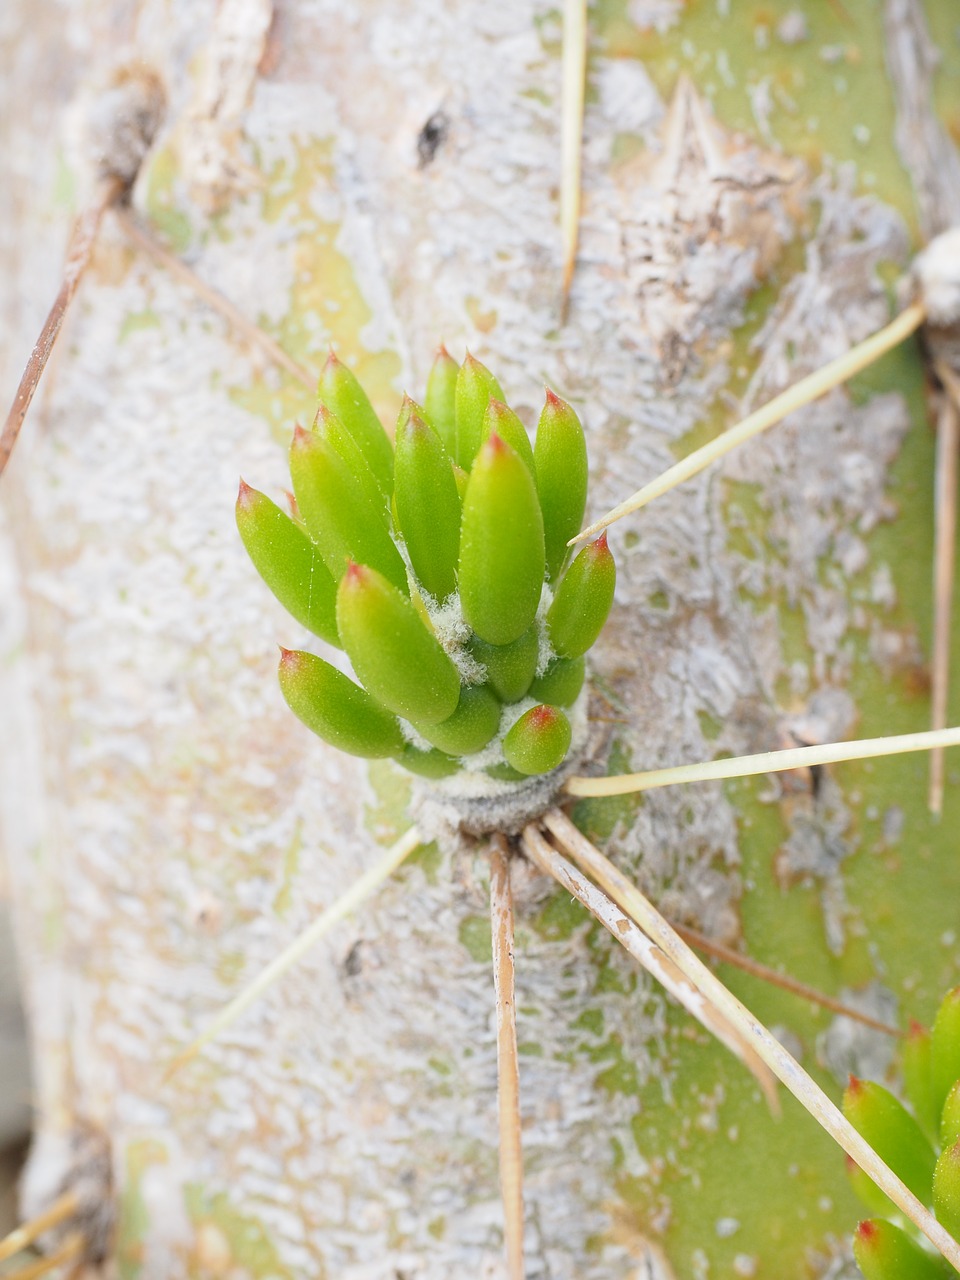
point(502, 421)
point(945, 1047)
point(427, 506)
point(501, 546)
point(335, 708)
point(538, 741)
point(337, 512)
point(560, 456)
point(583, 600)
point(343, 395)
point(289, 562)
point(440, 402)
point(916, 1060)
point(475, 387)
point(950, 1118)
point(398, 660)
point(892, 1132)
point(561, 683)
point(946, 1189)
point(472, 725)
point(510, 667)
point(885, 1252)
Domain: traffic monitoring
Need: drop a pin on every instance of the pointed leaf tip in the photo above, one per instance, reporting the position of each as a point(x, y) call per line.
point(866, 1230)
point(243, 493)
point(300, 436)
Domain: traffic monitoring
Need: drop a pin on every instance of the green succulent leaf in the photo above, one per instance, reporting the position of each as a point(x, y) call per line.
point(538, 741)
point(892, 1132)
point(289, 562)
point(867, 1191)
point(337, 511)
point(427, 506)
point(561, 683)
point(946, 1189)
point(918, 1077)
point(560, 454)
point(950, 1118)
point(328, 428)
point(885, 1252)
point(472, 725)
point(502, 421)
point(343, 395)
point(505, 773)
point(501, 546)
point(583, 600)
point(427, 764)
point(335, 708)
point(475, 386)
point(398, 659)
point(440, 403)
point(510, 667)
point(945, 1047)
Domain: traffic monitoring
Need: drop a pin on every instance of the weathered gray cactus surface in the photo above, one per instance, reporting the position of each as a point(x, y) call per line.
point(169, 827)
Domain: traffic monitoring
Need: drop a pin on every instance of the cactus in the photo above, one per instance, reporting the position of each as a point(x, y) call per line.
point(883, 1249)
point(463, 630)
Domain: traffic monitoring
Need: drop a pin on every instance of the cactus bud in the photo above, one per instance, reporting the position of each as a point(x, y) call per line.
point(918, 1078)
point(945, 1047)
point(335, 708)
point(950, 1118)
point(946, 1189)
point(892, 1132)
point(510, 667)
point(560, 453)
point(472, 725)
point(343, 395)
point(538, 741)
point(338, 512)
point(885, 1252)
point(583, 600)
point(427, 764)
point(392, 652)
point(440, 403)
point(289, 562)
point(428, 507)
point(561, 683)
point(475, 385)
point(334, 434)
point(502, 421)
point(428, 567)
point(501, 546)
point(867, 1191)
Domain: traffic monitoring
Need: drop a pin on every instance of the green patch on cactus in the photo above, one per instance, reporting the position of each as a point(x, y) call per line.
point(325, 298)
point(134, 1223)
point(831, 98)
point(225, 1237)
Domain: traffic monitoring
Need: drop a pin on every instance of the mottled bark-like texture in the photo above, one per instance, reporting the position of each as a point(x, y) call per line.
point(169, 827)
